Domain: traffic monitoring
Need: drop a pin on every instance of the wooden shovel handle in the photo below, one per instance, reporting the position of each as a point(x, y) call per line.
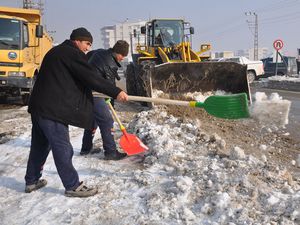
point(115, 116)
point(147, 99)
point(158, 100)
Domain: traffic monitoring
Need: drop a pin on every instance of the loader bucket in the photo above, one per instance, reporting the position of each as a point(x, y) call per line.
point(183, 77)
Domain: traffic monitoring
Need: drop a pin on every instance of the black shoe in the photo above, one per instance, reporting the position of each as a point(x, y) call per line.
point(95, 151)
point(84, 152)
point(115, 155)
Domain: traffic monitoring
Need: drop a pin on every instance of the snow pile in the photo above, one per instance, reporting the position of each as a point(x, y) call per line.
point(185, 178)
point(270, 111)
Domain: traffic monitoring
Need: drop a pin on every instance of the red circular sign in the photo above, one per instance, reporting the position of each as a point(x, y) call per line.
point(278, 44)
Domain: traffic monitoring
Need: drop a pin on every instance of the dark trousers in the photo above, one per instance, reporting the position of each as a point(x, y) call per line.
point(104, 120)
point(50, 135)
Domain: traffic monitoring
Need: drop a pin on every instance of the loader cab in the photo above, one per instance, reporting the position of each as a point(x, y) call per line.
point(164, 33)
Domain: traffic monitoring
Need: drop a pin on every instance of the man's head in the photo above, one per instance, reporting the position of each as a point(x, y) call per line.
point(121, 49)
point(82, 39)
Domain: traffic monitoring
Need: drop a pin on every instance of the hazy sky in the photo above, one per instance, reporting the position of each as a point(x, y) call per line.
point(222, 23)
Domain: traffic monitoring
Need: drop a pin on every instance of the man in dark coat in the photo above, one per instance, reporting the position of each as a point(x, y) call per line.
point(62, 96)
point(106, 62)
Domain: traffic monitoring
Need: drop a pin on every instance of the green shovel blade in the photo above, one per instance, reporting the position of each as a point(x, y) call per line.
point(226, 106)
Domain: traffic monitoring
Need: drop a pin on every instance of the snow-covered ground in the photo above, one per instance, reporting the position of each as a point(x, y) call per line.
point(188, 176)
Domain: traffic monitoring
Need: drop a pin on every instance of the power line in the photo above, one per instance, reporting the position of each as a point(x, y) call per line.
point(281, 18)
point(280, 5)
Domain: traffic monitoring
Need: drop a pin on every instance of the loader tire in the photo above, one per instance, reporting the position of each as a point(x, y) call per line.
point(143, 81)
point(144, 87)
point(130, 75)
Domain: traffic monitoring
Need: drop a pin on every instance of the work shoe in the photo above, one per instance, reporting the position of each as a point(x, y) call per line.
point(92, 151)
point(81, 191)
point(84, 152)
point(114, 155)
point(37, 185)
point(95, 151)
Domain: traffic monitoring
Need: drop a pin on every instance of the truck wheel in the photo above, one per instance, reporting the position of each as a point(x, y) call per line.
point(130, 80)
point(251, 76)
point(3, 99)
point(25, 99)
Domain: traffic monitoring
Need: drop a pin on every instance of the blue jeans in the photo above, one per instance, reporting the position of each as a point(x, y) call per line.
point(51, 135)
point(104, 120)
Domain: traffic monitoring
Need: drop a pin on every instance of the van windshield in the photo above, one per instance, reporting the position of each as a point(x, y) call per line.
point(9, 34)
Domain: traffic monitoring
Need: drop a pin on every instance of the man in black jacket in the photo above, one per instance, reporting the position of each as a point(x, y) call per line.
point(106, 62)
point(62, 96)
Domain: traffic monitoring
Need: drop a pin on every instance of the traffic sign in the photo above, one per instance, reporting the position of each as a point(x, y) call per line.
point(278, 44)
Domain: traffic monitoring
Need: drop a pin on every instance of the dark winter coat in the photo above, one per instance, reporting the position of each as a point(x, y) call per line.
point(62, 91)
point(105, 63)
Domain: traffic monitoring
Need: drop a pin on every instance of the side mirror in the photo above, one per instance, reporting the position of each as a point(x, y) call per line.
point(134, 33)
point(143, 30)
point(192, 31)
point(39, 31)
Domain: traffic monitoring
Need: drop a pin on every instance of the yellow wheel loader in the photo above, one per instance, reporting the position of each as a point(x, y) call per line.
point(166, 62)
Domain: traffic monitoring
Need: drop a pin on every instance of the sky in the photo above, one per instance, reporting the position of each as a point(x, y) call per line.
point(221, 23)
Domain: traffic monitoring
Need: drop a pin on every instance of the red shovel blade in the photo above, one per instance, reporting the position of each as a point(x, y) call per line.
point(131, 144)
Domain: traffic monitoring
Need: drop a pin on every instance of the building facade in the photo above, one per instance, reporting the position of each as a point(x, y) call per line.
point(224, 54)
point(262, 53)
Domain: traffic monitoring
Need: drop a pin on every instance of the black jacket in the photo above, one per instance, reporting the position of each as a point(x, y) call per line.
point(62, 91)
point(106, 64)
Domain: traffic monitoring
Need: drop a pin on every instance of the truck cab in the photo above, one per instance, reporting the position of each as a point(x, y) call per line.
point(255, 69)
point(22, 47)
point(287, 66)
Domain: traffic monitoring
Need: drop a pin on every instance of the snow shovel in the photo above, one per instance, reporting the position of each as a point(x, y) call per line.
point(130, 143)
point(223, 106)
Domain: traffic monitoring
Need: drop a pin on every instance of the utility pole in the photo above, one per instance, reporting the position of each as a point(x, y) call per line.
point(30, 4)
point(250, 24)
point(27, 4)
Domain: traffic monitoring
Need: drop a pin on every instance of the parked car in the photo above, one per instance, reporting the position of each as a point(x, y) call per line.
point(287, 66)
point(255, 69)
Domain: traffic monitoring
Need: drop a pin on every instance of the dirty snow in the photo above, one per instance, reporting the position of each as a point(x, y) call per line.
point(182, 179)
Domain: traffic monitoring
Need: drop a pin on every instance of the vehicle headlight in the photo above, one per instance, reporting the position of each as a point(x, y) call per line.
point(16, 74)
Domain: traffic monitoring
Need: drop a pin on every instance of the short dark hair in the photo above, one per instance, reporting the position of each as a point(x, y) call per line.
point(121, 47)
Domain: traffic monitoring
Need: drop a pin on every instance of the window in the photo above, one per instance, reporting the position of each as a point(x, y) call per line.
point(167, 32)
point(9, 34)
point(25, 34)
